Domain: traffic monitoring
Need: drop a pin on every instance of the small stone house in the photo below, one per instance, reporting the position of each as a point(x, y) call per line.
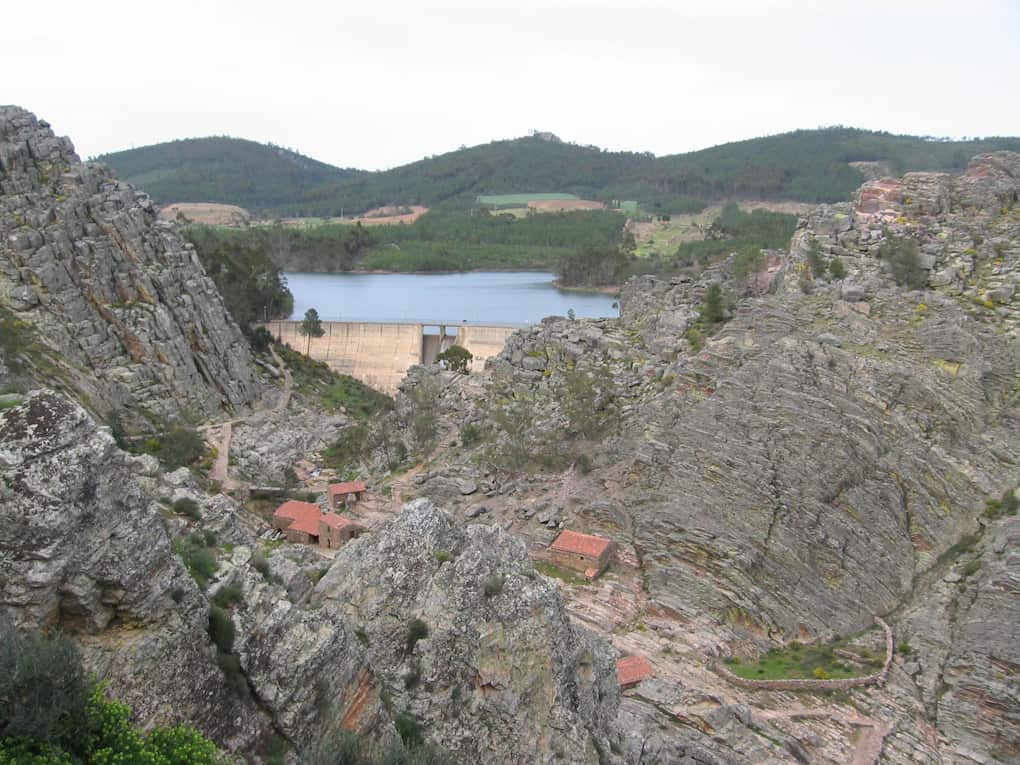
point(305, 523)
point(586, 553)
point(631, 670)
point(345, 493)
point(336, 531)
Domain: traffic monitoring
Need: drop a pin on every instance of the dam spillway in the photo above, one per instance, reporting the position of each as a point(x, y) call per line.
point(380, 353)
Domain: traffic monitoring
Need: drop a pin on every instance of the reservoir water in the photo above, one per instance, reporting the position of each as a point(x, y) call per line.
point(479, 297)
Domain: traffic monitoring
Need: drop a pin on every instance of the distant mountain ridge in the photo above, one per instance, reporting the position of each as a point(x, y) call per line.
point(804, 166)
point(223, 169)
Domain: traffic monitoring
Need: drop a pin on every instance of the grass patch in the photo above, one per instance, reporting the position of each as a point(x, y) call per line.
point(810, 662)
point(548, 569)
point(514, 200)
point(333, 391)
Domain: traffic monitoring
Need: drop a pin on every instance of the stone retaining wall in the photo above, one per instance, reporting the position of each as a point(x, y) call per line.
point(807, 684)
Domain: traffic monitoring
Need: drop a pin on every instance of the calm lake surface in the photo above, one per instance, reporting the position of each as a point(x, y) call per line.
point(482, 297)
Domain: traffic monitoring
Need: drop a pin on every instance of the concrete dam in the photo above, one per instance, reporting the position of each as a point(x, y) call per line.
point(379, 354)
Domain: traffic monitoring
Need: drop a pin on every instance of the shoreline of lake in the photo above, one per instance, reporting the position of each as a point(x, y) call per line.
point(498, 297)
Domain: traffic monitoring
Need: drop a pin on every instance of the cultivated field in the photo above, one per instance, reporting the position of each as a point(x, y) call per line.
point(563, 205)
point(520, 200)
point(376, 217)
point(206, 213)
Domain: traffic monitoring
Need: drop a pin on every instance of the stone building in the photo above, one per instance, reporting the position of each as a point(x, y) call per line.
point(305, 523)
point(586, 553)
point(631, 670)
point(335, 530)
point(345, 493)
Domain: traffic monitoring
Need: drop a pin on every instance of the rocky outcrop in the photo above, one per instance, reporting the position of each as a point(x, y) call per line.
point(89, 547)
point(84, 550)
point(978, 703)
point(823, 456)
point(473, 643)
point(121, 312)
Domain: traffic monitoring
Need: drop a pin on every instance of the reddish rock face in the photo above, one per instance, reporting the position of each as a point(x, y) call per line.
point(876, 195)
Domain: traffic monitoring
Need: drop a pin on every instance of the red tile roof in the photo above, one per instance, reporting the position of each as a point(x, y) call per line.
point(338, 521)
point(304, 516)
point(350, 487)
point(633, 669)
point(580, 544)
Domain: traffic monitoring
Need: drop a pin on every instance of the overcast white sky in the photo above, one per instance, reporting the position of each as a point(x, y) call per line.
point(378, 84)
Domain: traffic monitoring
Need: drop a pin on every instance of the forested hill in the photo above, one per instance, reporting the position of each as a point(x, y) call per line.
point(226, 170)
point(805, 165)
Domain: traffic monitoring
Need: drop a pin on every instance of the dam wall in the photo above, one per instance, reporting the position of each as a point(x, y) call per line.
point(379, 354)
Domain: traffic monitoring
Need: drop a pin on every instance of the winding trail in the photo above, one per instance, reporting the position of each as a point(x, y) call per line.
point(221, 467)
point(873, 732)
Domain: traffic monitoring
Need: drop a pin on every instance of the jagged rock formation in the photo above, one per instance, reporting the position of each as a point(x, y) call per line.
point(87, 548)
point(84, 550)
point(815, 462)
point(502, 674)
point(121, 312)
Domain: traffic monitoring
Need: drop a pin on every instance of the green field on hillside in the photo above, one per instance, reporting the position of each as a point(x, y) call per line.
point(517, 200)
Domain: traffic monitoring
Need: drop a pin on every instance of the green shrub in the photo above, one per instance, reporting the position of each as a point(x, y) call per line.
point(457, 358)
point(583, 463)
point(261, 564)
point(200, 562)
point(221, 629)
point(180, 447)
point(712, 306)
point(442, 556)
point(815, 260)
point(230, 665)
point(836, 269)
point(412, 678)
point(49, 716)
point(695, 339)
point(42, 688)
point(470, 434)
point(903, 255)
point(409, 730)
point(228, 595)
point(416, 631)
point(493, 585)
point(187, 506)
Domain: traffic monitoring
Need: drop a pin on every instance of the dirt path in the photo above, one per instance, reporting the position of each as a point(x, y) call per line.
point(288, 381)
point(873, 732)
point(221, 467)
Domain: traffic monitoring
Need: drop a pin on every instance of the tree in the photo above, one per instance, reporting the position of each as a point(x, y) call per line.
point(712, 308)
point(457, 358)
point(311, 327)
point(815, 260)
point(588, 399)
point(904, 258)
point(42, 688)
point(747, 263)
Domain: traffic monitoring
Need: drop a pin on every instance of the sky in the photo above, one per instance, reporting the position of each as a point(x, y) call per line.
point(375, 85)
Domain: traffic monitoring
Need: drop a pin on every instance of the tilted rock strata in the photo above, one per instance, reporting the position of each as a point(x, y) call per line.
point(816, 462)
point(502, 675)
point(84, 551)
point(122, 299)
